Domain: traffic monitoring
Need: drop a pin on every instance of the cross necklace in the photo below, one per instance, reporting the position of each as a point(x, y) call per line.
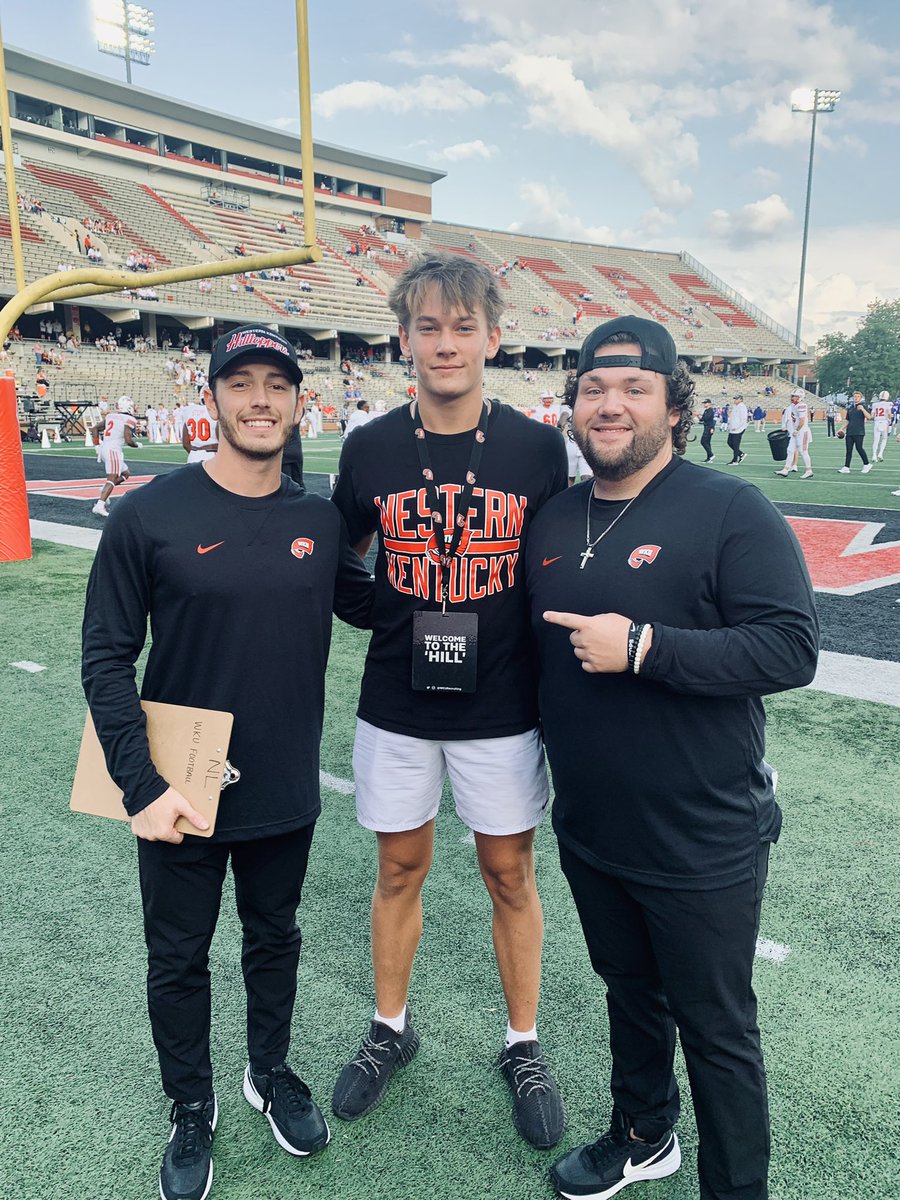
point(588, 544)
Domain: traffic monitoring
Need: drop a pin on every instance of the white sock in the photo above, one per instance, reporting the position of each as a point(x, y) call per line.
point(398, 1024)
point(513, 1035)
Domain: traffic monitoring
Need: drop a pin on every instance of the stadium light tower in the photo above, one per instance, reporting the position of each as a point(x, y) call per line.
point(809, 100)
point(123, 30)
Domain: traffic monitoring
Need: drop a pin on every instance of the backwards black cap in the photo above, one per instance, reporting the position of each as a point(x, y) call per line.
point(256, 340)
point(658, 351)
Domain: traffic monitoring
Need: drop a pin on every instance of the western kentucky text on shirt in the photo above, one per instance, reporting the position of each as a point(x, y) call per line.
point(489, 548)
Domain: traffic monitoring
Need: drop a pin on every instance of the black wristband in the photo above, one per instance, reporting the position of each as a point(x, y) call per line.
point(634, 633)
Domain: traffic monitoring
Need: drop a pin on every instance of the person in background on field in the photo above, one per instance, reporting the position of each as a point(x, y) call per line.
point(857, 415)
point(737, 425)
point(708, 421)
point(200, 430)
point(881, 424)
point(797, 423)
point(759, 418)
point(118, 431)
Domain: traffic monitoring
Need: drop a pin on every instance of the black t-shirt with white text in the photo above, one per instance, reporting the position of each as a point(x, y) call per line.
point(380, 489)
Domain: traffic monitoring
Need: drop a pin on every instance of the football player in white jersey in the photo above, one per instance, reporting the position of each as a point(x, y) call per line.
point(881, 424)
point(118, 432)
point(548, 412)
point(796, 421)
point(200, 431)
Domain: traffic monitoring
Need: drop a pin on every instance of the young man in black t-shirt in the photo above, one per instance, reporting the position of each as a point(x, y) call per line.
point(450, 483)
point(239, 572)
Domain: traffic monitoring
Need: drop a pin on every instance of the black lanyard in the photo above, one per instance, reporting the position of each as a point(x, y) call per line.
point(446, 552)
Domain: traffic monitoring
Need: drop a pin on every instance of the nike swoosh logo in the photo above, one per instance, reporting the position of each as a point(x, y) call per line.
point(548, 561)
point(630, 1168)
point(206, 549)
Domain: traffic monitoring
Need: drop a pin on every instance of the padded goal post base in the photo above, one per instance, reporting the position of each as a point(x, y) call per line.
point(15, 532)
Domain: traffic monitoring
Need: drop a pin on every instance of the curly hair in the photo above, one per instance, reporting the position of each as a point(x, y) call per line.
point(679, 395)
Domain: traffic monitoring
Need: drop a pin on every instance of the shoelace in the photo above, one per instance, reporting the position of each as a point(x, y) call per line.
point(367, 1059)
point(194, 1132)
point(611, 1145)
point(531, 1075)
point(291, 1089)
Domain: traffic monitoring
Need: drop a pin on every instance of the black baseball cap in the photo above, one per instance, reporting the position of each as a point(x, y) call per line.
point(658, 351)
point(258, 341)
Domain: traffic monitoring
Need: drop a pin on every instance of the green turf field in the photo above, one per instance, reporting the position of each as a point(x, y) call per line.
point(826, 486)
point(81, 1112)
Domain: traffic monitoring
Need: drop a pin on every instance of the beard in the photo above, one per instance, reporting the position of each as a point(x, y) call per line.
point(230, 431)
point(614, 465)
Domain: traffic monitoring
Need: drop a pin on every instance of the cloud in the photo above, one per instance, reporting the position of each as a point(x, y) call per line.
point(653, 144)
point(430, 93)
point(848, 267)
point(752, 223)
point(546, 211)
point(765, 175)
point(462, 150)
point(290, 123)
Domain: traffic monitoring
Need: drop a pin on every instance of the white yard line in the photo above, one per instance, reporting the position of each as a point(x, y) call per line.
point(858, 677)
point(346, 787)
point(775, 952)
point(33, 667)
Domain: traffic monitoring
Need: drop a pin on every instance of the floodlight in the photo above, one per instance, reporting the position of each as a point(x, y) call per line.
point(809, 100)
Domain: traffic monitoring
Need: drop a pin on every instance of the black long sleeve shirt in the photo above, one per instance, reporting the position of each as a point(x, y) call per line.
point(239, 591)
point(659, 778)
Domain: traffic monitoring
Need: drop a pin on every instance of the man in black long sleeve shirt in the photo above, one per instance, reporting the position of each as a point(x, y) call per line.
point(238, 570)
point(685, 598)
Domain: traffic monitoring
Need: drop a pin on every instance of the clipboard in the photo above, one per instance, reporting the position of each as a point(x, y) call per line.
point(189, 748)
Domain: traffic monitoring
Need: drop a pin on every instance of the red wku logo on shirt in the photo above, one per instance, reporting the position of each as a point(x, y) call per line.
point(643, 554)
point(301, 546)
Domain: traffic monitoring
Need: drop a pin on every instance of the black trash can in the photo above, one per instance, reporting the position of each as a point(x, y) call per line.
point(778, 444)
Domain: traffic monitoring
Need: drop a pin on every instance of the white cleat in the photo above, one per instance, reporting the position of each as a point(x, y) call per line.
point(867, 468)
point(100, 509)
point(807, 475)
point(844, 471)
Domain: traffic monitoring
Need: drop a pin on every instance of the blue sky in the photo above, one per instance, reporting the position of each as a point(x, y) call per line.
point(660, 123)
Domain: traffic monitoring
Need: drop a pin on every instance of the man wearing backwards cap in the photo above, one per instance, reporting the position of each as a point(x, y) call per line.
point(239, 571)
point(686, 600)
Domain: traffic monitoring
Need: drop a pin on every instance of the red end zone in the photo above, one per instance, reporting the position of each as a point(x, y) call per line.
point(82, 489)
point(841, 557)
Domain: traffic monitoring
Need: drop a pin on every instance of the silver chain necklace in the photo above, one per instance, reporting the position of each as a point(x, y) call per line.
point(588, 544)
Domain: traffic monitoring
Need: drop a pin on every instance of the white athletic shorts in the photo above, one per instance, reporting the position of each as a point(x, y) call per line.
point(113, 461)
point(577, 462)
point(499, 784)
point(200, 455)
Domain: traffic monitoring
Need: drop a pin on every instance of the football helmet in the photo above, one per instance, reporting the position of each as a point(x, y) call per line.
point(125, 404)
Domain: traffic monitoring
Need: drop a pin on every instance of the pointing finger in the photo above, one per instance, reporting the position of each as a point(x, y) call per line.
point(567, 620)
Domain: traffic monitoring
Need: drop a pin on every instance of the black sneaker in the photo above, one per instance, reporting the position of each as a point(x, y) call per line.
point(186, 1172)
point(362, 1083)
point(287, 1104)
point(538, 1110)
point(598, 1171)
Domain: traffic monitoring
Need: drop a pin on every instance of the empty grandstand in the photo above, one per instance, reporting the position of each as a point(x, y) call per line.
point(117, 176)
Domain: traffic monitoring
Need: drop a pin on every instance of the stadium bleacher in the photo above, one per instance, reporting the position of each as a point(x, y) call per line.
point(553, 290)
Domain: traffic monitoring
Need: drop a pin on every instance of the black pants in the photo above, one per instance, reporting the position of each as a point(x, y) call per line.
point(851, 440)
point(181, 887)
point(829, 422)
point(734, 445)
point(706, 441)
point(672, 958)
